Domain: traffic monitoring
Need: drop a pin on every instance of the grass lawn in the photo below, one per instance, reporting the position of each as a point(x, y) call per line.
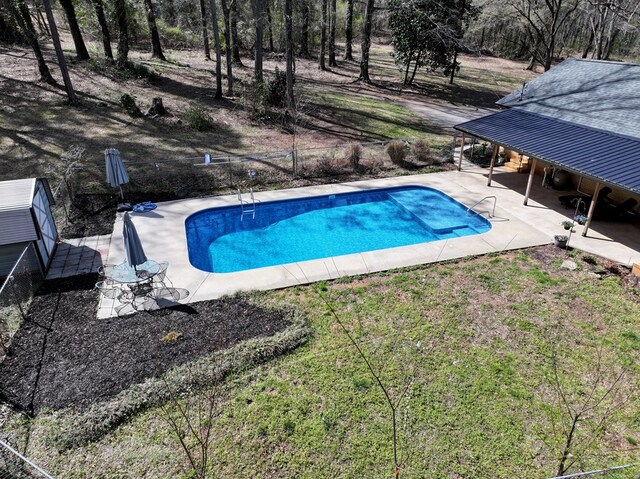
point(474, 337)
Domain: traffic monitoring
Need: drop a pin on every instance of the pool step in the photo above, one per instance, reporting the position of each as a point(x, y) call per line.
point(441, 221)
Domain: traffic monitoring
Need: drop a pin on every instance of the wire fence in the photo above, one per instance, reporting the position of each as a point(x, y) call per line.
point(16, 292)
point(83, 191)
point(14, 465)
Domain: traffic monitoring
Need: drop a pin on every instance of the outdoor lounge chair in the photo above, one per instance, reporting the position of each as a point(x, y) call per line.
point(571, 201)
point(625, 211)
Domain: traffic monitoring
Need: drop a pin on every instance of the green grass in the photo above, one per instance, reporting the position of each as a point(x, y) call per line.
point(474, 336)
point(375, 119)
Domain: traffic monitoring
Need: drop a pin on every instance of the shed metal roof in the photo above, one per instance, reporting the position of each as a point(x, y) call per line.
point(16, 194)
point(601, 155)
point(595, 93)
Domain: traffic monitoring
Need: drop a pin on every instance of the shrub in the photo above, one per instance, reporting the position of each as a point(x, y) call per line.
point(353, 154)
point(327, 166)
point(276, 91)
point(199, 118)
point(129, 104)
point(421, 151)
point(176, 37)
point(396, 151)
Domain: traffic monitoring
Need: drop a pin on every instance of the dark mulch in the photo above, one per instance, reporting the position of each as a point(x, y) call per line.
point(94, 214)
point(63, 356)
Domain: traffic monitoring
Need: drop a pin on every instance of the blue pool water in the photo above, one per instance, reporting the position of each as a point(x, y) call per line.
point(319, 227)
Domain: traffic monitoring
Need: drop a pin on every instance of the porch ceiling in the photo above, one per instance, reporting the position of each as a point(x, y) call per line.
point(603, 156)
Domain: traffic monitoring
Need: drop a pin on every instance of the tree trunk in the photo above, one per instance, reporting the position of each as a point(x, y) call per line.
point(205, 33)
point(366, 41)
point(259, 19)
point(234, 33)
point(288, 27)
point(76, 34)
point(216, 43)
point(71, 94)
point(589, 45)
point(415, 68)
point(406, 70)
point(23, 19)
point(271, 47)
point(123, 32)
point(332, 35)
point(304, 34)
point(454, 64)
point(104, 28)
point(348, 32)
point(156, 48)
point(10, 33)
point(227, 45)
point(323, 35)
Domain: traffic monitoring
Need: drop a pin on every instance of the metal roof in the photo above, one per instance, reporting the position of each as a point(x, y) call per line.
point(16, 194)
point(601, 155)
point(595, 93)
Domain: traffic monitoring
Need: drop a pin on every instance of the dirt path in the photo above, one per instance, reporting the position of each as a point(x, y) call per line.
point(446, 114)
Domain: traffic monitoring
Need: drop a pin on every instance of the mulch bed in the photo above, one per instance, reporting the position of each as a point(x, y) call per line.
point(63, 356)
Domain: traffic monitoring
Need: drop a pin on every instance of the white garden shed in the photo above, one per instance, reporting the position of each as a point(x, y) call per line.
point(26, 217)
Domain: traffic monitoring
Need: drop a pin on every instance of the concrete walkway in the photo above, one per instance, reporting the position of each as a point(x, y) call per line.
point(515, 226)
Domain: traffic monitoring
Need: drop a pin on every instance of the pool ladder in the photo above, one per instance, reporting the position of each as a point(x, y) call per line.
point(247, 207)
point(493, 212)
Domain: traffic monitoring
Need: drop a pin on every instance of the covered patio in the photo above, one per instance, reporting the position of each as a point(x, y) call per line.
point(595, 158)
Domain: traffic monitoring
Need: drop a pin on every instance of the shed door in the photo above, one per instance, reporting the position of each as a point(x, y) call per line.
point(47, 226)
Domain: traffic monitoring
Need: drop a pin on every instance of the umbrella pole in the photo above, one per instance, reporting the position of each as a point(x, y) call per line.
point(121, 194)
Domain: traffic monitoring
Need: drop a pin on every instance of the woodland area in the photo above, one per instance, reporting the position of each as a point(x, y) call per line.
point(425, 34)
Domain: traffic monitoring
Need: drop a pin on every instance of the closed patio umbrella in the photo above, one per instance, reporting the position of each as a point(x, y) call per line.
point(116, 172)
point(132, 245)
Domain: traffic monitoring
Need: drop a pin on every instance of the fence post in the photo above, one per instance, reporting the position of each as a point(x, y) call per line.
point(294, 162)
point(230, 171)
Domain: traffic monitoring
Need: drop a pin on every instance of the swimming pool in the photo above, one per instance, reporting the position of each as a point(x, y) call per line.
point(303, 229)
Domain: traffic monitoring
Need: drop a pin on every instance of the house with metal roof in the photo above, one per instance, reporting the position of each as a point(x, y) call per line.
point(582, 116)
point(26, 220)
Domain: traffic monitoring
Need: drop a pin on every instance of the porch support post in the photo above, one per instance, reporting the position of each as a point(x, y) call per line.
point(592, 208)
point(532, 173)
point(461, 152)
point(493, 162)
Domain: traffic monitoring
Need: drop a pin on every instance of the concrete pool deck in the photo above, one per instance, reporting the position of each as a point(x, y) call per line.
point(514, 226)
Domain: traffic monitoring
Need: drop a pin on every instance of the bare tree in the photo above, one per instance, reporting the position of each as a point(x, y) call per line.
point(606, 21)
point(71, 94)
point(104, 28)
point(323, 35)
point(259, 14)
point(582, 408)
point(288, 26)
point(216, 42)
point(226, 13)
point(235, 40)
point(205, 32)
point(156, 47)
point(20, 13)
point(272, 48)
point(394, 392)
point(545, 22)
point(304, 32)
point(123, 32)
point(76, 34)
point(366, 41)
point(192, 423)
point(332, 34)
point(348, 32)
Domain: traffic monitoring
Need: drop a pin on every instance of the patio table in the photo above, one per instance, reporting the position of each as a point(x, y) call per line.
point(123, 273)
